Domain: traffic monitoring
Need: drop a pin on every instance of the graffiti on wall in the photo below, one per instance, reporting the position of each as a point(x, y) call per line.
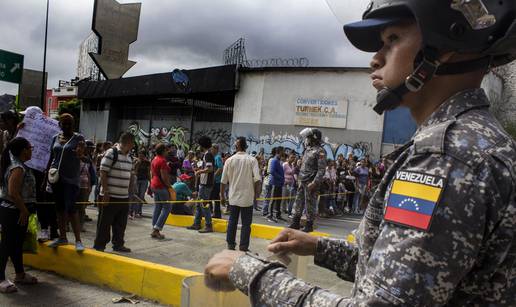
point(178, 136)
point(219, 136)
point(172, 135)
point(294, 143)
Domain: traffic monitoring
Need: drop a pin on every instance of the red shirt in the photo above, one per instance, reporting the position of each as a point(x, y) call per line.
point(158, 163)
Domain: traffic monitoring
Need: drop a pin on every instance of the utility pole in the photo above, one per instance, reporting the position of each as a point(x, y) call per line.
point(43, 89)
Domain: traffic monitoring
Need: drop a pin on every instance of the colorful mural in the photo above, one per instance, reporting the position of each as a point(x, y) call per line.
point(172, 135)
point(178, 136)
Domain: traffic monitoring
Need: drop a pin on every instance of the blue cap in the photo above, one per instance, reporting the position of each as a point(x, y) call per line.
point(366, 34)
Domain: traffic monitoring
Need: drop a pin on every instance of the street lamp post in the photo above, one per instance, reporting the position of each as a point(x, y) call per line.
point(43, 89)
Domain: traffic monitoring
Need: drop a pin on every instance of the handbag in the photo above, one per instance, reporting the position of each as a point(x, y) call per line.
point(53, 173)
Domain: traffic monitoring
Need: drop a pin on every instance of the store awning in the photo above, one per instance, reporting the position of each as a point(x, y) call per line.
point(211, 84)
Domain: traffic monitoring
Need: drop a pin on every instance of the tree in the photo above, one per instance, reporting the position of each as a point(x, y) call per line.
point(73, 107)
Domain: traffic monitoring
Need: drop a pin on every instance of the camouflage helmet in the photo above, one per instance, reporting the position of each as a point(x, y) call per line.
point(484, 27)
point(312, 134)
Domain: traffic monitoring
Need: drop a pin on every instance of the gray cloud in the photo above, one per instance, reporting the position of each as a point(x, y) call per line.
point(184, 34)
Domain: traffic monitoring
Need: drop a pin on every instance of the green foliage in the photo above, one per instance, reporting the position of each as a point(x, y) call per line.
point(72, 106)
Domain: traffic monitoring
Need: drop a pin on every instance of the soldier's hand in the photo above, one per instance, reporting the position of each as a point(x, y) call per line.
point(216, 272)
point(293, 241)
point(312, 186)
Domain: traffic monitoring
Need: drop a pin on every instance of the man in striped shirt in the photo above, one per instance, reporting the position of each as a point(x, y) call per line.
point(115, 178)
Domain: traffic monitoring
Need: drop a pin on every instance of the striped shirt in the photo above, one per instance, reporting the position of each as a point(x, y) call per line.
point(119, 174)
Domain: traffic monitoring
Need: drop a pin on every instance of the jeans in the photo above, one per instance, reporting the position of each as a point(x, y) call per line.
point(12, 240)
point(246, 214)
point(276, 203)
point(267, 191)
point(288, 191)
point(161, 210)
point(203, 208)
point(215, 195)
point(141, 186)
point(359, 196)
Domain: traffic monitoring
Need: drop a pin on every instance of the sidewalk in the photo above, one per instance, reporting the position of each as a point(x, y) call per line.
point(53, 290)
point(191, 250)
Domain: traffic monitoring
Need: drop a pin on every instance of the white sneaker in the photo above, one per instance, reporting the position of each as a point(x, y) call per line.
point(44, 235)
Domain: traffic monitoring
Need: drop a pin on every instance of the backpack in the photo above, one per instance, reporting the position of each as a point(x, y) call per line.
point(115, 155)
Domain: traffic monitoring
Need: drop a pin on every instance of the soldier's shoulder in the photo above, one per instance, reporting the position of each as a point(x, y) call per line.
point(473, 137)
point(477, 137)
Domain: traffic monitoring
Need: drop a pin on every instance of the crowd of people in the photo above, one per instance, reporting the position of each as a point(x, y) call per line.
point(119, 176)
point(345, 189)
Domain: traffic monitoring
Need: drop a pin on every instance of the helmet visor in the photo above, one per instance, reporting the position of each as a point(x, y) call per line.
point(366, 34)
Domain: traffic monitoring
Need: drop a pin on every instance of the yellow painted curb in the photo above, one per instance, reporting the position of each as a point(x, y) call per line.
point(220, 225)
point(152, 281)
point(270, 232)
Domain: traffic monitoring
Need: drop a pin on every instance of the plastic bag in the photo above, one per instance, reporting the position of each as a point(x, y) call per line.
point(30, 244)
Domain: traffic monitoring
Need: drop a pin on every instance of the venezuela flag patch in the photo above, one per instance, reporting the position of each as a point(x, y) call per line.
point(413, 199)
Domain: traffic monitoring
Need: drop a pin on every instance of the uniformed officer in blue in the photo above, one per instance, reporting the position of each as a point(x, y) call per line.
point(440, 229)
point(311, 173)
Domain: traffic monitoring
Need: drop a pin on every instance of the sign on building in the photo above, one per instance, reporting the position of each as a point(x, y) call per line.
point(321, 112)
point(11, 66)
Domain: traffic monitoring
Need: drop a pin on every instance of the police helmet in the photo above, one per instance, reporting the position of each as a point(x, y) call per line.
point(485, 27)
point(312, 134)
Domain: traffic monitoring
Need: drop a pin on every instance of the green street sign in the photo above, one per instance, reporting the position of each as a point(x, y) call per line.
point(11, 66)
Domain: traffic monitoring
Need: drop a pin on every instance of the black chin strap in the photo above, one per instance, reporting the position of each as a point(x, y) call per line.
point(427, 66)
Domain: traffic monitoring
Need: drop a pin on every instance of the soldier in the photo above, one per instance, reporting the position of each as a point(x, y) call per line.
point(313, 166)
point(440, 228)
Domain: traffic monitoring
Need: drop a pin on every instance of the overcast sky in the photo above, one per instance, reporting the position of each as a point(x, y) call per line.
point(182, 33)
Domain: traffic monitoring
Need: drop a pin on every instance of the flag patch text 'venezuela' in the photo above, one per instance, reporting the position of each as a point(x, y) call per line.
point(413, 199)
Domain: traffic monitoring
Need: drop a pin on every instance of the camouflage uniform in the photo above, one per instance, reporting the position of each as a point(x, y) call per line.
point(467, 255)
point(313, 167)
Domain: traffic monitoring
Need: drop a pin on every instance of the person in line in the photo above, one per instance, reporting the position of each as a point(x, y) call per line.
point(277, 181)
point(185, 194)
point(362, 174)
point(206, 181)
point(67, 148)
point(115, 174)
point(242, 175)
point(88, 179)
point(142, 168)
point(17, 200)
point(160, 183)
point(9, 121)
point(188, 164)
point(267, 187)
point(217, 168)
point(288, 188)
point(173, 162)
point(440, 229)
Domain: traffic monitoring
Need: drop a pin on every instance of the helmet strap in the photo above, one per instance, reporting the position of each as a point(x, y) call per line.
point(388, 99)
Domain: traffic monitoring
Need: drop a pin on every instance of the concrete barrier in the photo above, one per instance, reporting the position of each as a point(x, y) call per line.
point(149, 280)
point(220, 225)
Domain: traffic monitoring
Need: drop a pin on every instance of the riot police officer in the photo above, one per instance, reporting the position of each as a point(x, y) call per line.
point(440, 228)
point(313, 166)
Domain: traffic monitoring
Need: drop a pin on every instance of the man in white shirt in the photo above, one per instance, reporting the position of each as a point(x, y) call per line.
point(242, 173)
